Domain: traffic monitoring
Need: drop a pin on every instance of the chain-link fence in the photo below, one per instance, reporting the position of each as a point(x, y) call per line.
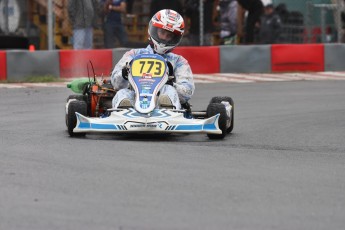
point(330, 27)
point(51, 19)
point(45, 24)
point(292, 25)
point(310, 21)
point(42, 23)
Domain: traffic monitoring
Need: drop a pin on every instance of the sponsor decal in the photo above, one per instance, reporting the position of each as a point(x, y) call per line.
point(154, 125)
point(146, 80)
point(145, 126)
point(147, 75)
point(168, 28)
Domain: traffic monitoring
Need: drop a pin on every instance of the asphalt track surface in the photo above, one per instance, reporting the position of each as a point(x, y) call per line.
point(283, 167)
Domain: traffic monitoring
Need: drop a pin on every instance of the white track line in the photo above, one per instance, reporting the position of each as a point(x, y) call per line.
point(315, 76)
point(254, 77)
point(11, 86)
point(218, 78)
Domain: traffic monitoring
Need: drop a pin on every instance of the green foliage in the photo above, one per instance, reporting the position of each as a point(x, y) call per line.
point(35, 79)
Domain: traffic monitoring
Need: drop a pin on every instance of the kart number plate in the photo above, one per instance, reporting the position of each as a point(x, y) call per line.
point(148, 67)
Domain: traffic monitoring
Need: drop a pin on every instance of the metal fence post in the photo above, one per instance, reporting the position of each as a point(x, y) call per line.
point(50, 25)
point(323, 24)
point(201, 22)
point(339, 22)
point(309, 20)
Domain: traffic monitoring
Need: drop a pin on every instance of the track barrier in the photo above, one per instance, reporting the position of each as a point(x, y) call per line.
point(17, 65)
point(3, 65)
point(293, 58)
point(77, 63)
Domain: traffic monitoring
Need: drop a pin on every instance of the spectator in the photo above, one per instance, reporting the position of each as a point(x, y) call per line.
point(193, 22)
point(113, 27)
point(83, 16)
point(157, 5)
point(270, 26)
point(228, 21)
point(255, 9)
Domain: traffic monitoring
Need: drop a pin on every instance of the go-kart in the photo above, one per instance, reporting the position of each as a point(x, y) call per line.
point(91, 111)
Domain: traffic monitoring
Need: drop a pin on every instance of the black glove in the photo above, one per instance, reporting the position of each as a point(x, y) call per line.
point(187, 107)
point(172, 78)
point(125, 71)
point(171, 68)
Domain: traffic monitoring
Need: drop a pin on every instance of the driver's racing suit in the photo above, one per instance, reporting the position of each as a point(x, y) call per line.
point(181, 91)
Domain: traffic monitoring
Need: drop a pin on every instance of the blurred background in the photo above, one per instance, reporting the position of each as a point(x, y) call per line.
point(45, 24)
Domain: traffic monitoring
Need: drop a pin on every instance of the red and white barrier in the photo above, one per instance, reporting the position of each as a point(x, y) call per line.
point(15, 65)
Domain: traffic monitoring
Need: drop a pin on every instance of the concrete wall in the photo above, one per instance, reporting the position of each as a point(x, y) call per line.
point(334, 57)
point(23, 64)
point(245, 59)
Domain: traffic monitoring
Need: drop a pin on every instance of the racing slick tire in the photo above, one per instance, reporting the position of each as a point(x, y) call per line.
point(214, 109)
point(78, 97)
point(231, 102)
point(75, 106)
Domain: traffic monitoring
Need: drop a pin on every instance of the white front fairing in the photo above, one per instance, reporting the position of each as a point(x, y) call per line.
point(158, 121)
point(148, 74)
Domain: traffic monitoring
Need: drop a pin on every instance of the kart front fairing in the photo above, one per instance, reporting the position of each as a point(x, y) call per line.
point(147, 75)
point(159, 121)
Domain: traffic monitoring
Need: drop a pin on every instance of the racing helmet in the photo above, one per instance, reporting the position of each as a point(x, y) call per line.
point(165, 30)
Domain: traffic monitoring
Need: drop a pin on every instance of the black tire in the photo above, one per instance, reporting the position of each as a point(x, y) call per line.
point(214, 109)
point(75, 106)
point(78, 97)
point(231, 102)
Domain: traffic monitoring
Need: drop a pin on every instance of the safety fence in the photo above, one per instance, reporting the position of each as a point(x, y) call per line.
point(331, 24)
point(46, 24)
point(40, 22)
point(219, 59)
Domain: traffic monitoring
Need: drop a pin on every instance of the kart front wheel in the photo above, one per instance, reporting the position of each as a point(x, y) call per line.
point(231, 102)
point(74, 97)
point(75, 106)
point(214, 109)
point(78, 97)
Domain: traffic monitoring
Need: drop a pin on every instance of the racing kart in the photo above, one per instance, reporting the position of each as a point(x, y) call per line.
point(91, 110)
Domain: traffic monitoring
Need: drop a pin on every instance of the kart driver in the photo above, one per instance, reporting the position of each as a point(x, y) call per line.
point(165, 32)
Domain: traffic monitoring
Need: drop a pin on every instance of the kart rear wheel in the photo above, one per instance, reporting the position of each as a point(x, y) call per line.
point(231, 102)
point(75, 106)
point(214, 109)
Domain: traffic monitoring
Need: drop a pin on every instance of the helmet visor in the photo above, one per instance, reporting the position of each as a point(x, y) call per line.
point(164, 36)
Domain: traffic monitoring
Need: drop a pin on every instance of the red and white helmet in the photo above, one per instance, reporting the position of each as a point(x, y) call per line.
point(165, 21)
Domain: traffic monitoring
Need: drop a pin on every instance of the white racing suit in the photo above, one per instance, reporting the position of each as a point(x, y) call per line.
point(181, 91)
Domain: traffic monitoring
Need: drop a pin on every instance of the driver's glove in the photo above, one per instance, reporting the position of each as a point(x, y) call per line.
point(172, 78)
point(125, 71)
